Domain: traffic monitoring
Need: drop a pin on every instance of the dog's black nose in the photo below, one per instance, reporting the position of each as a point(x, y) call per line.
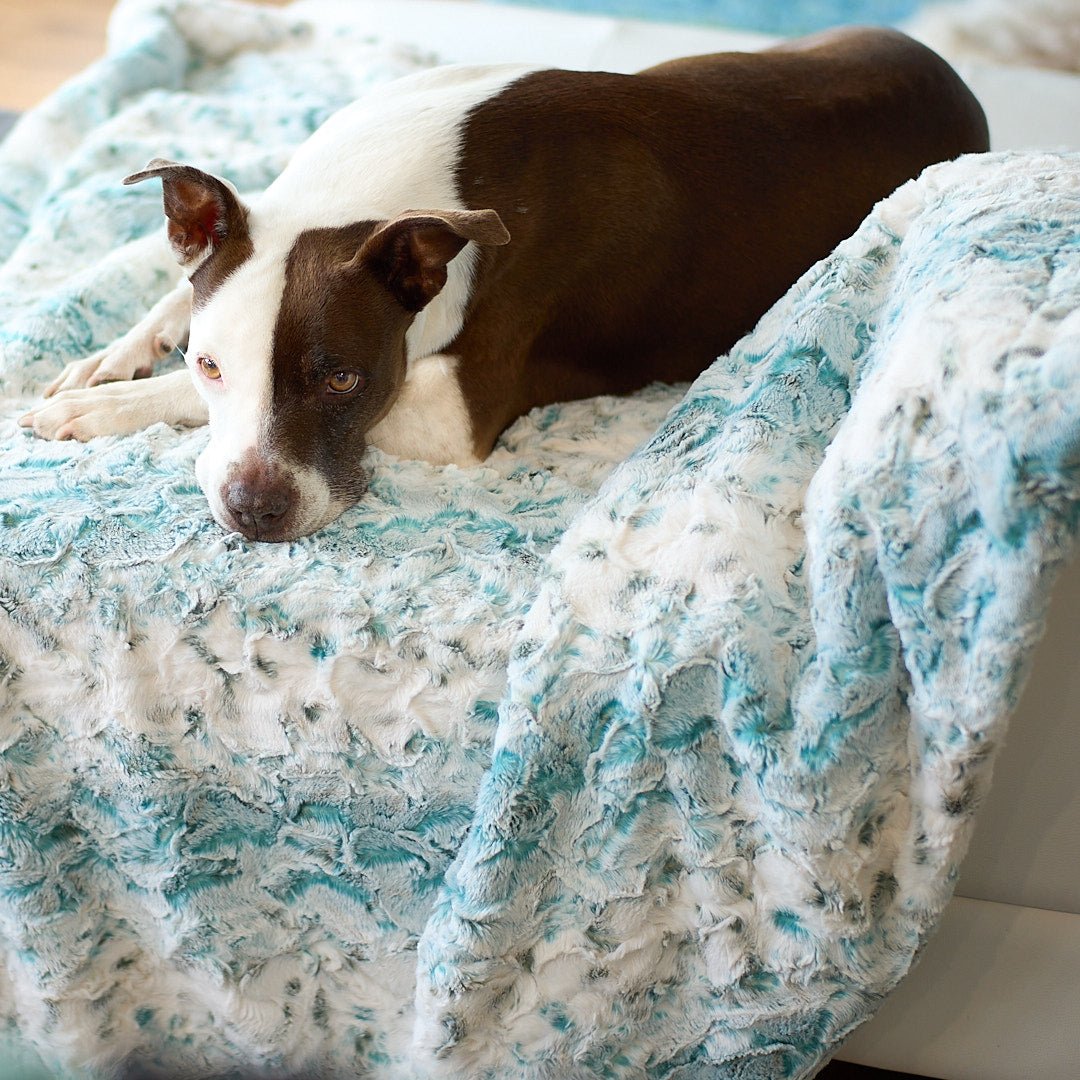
point(258, 509)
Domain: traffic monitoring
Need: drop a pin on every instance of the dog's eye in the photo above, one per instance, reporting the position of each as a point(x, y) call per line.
point(208, 366)
point(344, 382)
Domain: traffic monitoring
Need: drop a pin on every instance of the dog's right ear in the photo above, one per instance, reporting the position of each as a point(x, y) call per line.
point(409, 255)
point(202, 210)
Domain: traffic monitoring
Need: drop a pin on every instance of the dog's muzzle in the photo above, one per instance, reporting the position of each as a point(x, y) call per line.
point(260, 498)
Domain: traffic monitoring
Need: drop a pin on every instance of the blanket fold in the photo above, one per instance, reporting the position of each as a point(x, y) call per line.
point(649, 748)
point(769, 666)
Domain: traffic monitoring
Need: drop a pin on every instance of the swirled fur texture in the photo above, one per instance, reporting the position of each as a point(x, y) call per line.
point(649, 748)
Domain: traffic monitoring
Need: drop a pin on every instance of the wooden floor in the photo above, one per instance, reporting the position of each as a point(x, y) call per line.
point(44, 42)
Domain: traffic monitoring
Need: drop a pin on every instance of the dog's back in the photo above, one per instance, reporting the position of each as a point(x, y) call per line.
point(655, 217)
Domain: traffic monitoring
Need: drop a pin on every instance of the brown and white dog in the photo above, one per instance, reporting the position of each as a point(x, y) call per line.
point(470, 242)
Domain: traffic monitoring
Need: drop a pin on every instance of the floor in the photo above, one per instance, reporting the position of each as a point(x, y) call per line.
point(841, 1070)
point(47, 41)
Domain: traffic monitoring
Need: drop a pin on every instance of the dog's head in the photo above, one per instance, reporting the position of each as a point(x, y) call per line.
point(298, 342)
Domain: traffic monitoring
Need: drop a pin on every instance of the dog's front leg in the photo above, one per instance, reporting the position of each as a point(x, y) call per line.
point(118, 408)
point(133, 356)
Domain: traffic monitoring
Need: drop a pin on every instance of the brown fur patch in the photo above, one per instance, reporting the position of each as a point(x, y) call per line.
point(205, 218)
point(655, 217)
point(334, 316)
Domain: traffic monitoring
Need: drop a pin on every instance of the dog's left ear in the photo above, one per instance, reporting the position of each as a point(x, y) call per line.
point(410, 253)
point(203, 211)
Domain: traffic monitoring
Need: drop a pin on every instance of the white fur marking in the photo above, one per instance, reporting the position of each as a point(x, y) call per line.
point(118, 408)
point(429, 420)
point(236, 328)
point(395, 149)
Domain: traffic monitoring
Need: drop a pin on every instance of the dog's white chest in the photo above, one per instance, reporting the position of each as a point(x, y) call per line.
point(429, 420)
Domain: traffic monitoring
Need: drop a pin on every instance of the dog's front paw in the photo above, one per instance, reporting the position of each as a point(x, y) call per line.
point(83, 414)
point(118, 408)
point(131, 357)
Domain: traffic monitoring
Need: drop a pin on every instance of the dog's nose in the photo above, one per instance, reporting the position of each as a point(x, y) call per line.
point(258, 509)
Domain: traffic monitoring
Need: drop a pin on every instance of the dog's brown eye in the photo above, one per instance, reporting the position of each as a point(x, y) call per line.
point(343, 382)
point(208, 366)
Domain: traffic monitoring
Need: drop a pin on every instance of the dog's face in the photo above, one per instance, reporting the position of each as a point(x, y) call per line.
point(298, 343)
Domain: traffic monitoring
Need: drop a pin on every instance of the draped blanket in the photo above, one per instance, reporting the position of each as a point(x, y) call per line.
point(649, 748)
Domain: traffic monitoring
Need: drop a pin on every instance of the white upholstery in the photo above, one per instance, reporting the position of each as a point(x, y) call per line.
point(993, 998)
point(1026, 849)
point(996, 995)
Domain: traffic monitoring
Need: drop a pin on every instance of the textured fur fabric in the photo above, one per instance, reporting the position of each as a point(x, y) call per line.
point(1033, 33)
point(588, 762)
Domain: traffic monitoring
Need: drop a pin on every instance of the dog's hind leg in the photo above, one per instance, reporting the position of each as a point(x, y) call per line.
point(133, 356)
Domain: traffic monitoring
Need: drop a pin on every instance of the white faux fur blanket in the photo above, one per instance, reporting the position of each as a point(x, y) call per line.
point(588, 762)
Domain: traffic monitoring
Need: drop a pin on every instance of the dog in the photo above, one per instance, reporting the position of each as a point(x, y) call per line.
point(468, 243)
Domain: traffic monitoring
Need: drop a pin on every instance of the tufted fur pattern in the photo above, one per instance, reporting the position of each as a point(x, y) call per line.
point(1035, 33)
point(589, 761)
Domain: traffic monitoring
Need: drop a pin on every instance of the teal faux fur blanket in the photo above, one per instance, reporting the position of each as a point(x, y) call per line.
point(650, 748)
